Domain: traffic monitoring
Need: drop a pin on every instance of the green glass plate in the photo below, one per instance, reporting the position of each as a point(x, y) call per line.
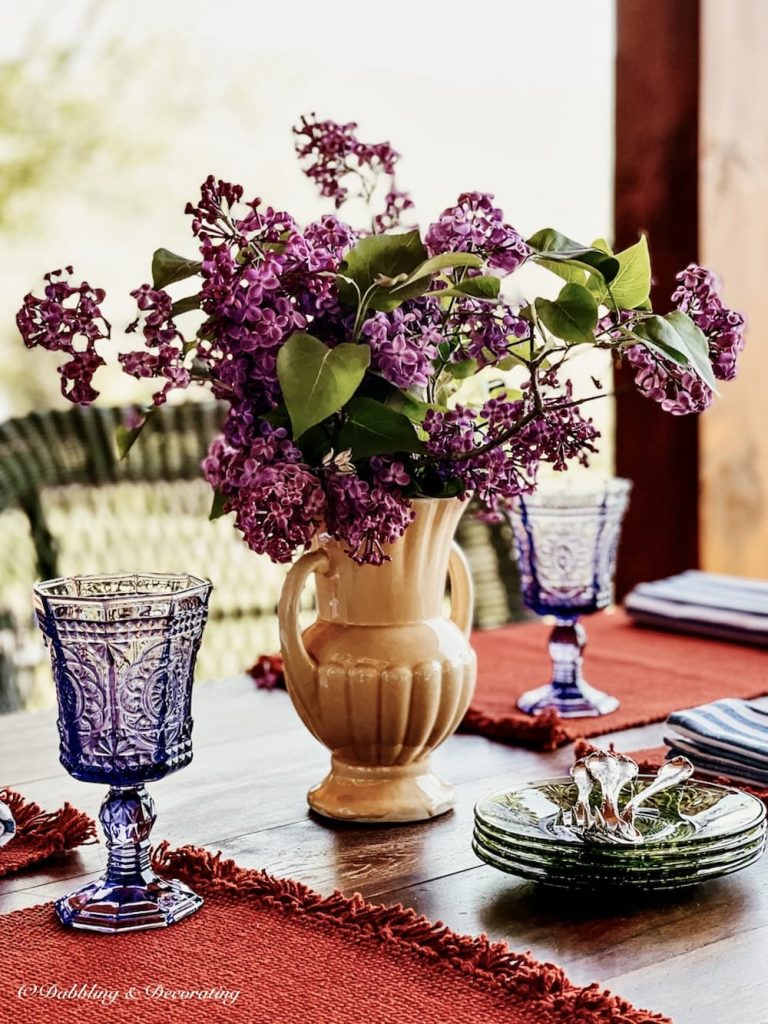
point(650, 854)
point(692, 813)
point(671, 881)
point(631, 867)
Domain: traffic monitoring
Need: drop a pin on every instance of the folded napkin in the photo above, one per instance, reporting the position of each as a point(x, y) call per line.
point(726, 607)
point(727, 737)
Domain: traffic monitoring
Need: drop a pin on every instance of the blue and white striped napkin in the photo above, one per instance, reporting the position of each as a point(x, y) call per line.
point(727, 737)
point(705, 603)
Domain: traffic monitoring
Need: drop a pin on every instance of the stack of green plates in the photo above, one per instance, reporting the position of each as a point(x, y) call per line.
point(691, 833)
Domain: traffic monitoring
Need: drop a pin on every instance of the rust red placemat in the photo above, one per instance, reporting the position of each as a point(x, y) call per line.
point(651, 672)
point(41, 834)
point(267, 951)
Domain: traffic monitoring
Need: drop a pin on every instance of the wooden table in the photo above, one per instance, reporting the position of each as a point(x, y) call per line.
point(699, 956)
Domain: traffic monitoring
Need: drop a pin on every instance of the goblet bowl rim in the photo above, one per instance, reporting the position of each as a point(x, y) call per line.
point(551, 496)
point(197, 586)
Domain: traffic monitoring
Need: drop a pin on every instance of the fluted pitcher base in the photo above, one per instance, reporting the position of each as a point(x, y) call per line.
point(371, 794)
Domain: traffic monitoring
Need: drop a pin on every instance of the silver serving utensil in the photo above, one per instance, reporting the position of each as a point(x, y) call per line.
point(612, 772)
point(671, 773)
point(581, 812)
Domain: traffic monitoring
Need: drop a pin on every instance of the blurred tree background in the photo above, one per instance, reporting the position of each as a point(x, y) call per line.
point(105, 132)
point(56, 136)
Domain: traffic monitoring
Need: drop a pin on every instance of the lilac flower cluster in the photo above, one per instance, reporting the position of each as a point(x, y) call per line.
point(395, 205)
point(495, 453)
point(490, 330)
point(698, 295)
point(677, 389)
point(263, 280)
point(164, 355)
point(367, 515)
point(331, 152)
point(474, 224)
point(68, 318)
point(404, 342)
point(278, 503)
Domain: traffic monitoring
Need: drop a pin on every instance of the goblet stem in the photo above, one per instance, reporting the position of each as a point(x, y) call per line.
point(566, 645)
point(127, 816)
point(568, 693)
point(129, 896)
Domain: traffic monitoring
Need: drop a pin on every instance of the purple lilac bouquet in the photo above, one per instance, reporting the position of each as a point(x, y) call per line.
point(338, 350)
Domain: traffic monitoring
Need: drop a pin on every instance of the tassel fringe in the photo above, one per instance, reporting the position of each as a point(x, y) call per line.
point(542, 732)
point(41, 834)
point(542, 987)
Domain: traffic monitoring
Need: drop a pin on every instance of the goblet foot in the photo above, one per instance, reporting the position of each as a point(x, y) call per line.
point(129, 896)
point(371, 794)
point(578, 701)
point(106, 906)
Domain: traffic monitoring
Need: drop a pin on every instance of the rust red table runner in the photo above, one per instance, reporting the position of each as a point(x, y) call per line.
point(651, 672)
point(264, 950)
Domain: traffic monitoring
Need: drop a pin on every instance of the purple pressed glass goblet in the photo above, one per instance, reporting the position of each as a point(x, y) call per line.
point(566, 541)
point(123, 650)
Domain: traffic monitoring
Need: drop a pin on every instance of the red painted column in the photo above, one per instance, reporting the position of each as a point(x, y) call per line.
point(656, 192)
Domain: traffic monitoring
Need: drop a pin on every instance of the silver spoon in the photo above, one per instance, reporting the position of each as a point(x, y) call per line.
point(612, 772)
point(581, 811)
point(671, 773)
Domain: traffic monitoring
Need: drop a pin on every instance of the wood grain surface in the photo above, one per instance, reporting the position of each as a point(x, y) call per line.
point(699, 956)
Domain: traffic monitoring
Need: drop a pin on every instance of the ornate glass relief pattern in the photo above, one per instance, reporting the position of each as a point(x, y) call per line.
point(123, 651)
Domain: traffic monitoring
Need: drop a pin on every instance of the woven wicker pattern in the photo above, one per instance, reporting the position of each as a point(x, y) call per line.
point(69, 504)
point(489, 551)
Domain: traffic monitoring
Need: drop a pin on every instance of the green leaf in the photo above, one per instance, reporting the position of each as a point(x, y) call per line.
point(185, 305)
point(372, 428)
point(519, 354)
point(657, 344)
point(677, 337)
point(572, 316)
point(632, 285)
point(317, 381)
point(414, 408)
point(602, 245)
point(126, 437)
point(463, 369)
point(168, 268)
point(571, 272)
point(315, 444)
point(552, 247)
point(217, 506)
point(443, 261)
point(484, 287)
point(277, 417)
point(378, 256)
point(508, 394)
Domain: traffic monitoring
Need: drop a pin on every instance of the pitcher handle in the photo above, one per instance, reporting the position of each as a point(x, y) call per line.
point(298, 661)
point(462, 590)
